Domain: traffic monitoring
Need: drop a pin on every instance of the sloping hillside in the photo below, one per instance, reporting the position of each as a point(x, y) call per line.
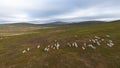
point(67, 46)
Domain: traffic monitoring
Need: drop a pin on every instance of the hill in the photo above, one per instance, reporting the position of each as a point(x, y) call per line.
point(56, 47)
point(71, 23)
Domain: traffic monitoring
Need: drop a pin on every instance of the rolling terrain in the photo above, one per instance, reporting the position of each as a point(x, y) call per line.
point(23, 46)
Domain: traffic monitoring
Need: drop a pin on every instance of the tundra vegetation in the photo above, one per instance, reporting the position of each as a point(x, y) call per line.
point(94, 45)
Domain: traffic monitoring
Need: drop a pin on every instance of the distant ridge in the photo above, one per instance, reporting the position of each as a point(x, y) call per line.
point(61, 23)
point(91, 22)
point(70, 23)
point(88, 22)
point(58, 23)
point(20, 23)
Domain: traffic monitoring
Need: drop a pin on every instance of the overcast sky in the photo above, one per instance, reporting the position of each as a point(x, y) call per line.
point(44, 11)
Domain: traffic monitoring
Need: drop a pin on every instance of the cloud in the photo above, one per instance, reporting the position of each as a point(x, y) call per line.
point(43, 11)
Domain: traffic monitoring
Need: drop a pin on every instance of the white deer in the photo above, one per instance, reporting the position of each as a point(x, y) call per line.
point(38, 46)
point(24, 51)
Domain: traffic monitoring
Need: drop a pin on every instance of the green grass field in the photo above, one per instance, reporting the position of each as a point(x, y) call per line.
point(16, 39)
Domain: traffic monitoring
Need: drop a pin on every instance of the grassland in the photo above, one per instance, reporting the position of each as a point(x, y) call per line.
point(11, 46)
point(19, 29)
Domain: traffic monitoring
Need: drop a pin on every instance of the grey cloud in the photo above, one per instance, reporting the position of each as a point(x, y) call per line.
point(58, 10)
